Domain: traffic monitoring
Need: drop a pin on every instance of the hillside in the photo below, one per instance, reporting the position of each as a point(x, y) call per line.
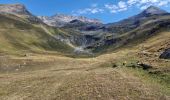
point(115, 75)
point(18, 35)
point(89, 36)
point(126, 25)
point(143, 26)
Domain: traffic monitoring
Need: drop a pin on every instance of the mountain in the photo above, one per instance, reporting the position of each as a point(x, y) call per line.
point(23, 32)
point(18, 36)
point(98, 37)
point(17, 9)
point(135, 21)
point(20, 11)
point(83, 26)
point(60, 20)
point(139, 27)
point(19, 22)
point(81, 33)
point(152, 10)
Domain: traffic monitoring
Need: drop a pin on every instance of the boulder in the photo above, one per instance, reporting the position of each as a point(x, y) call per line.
point(165, 54)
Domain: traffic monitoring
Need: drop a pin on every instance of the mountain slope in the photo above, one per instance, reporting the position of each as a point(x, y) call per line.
point(81, 33)
point(18, 35)
point(20, 11)
point(136, 28)
point(23, 21)
point(135, 21)
point(17, 9)
point(109, 76)
point(141, 33)
point(98, 37)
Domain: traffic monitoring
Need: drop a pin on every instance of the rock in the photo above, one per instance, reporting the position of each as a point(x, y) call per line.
point(114, 65)
point(165, 54)
point(145, 66)
point(139, 65)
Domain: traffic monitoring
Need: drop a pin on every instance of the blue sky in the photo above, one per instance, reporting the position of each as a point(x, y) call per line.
point(105, 10)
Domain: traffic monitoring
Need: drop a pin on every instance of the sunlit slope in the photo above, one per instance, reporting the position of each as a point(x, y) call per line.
point(17, 35)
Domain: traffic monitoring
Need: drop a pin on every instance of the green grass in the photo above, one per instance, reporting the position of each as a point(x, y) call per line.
point(151, 76)
point(162, 80)
point(19, 35)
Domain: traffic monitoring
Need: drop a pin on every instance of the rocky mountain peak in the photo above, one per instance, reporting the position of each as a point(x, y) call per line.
point(154, 10)
point(59, 20)
point(68, 18)
point(14, 9)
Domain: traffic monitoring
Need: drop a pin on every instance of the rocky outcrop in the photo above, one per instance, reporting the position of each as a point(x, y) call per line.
point(18, 10)
point(14, 9)
point(165, 54)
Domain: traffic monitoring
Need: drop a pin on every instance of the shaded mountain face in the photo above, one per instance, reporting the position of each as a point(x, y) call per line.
point(60, 20)
point(83, 26)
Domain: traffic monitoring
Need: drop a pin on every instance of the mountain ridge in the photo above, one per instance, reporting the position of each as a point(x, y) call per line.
point(89, 34)
point(21, 9)
point(59, 20)
point(154, 10)
point(14, 9)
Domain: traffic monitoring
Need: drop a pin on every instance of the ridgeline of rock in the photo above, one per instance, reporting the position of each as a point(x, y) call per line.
point(60, 20)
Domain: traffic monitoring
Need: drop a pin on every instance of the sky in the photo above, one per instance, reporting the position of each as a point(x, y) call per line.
point(105, 10)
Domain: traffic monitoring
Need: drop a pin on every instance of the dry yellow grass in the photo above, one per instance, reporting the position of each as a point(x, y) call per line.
point(48, 77)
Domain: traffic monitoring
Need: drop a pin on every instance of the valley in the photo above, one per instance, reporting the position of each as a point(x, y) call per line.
point(83, 59)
